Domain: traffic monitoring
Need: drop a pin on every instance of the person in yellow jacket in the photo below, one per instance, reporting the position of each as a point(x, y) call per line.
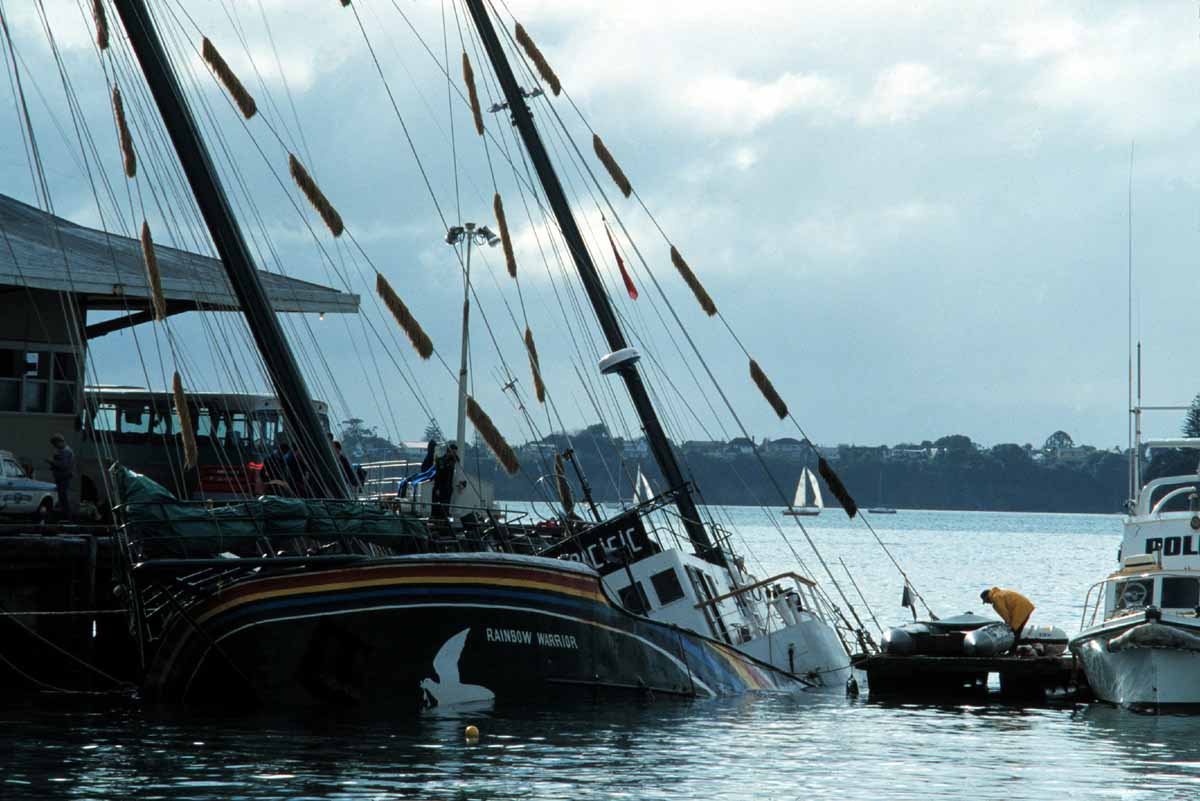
point(1013, 607)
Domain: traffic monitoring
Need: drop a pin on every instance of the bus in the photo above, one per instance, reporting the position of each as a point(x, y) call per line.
point(235, 434)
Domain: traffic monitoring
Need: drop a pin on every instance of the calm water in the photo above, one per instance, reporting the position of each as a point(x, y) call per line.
point(762, 748)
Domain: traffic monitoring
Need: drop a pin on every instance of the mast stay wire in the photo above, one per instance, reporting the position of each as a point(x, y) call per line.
point(828, 571)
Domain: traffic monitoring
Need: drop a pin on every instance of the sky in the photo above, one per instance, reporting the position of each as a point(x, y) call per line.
point(913, 215)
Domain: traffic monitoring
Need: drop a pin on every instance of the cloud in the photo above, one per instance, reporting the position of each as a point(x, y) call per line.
point(905, 92)
point(722, 103)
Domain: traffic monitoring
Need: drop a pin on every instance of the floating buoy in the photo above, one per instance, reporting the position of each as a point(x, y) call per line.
point(472, 733)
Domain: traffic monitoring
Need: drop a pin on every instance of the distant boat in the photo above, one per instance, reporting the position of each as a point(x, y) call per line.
point(808, 501)
point(881, 510)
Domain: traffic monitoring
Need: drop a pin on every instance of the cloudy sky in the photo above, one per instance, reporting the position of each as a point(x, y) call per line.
point(914, 215)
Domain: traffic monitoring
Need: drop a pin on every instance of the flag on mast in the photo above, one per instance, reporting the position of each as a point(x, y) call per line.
point(629, 287)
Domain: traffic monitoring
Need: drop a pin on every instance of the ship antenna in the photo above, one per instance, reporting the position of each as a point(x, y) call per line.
point(1133, 445)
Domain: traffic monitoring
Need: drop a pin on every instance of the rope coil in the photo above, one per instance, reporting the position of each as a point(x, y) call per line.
point(510, 258)
point(416, 335)
point(472, 94)
point(768, 390)
point(610, 164)
point(689, 277)
point(837, 487)
point(190, 454)
point(564, 488)
point(128, 155)
point(535, 366)
point(101, 20)
point(495, 441)
point(539, 61)
point(315, 196)
point(148, 255)
point(228, 79)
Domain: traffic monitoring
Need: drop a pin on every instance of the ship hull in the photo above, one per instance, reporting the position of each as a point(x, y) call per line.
point(1145, 667)
point(421, 632)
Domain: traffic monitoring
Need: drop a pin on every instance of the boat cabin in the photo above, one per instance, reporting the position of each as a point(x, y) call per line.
point(1141, 584)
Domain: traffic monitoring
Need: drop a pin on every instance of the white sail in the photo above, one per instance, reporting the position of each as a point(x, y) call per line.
point(817, 500)
point(808, 492)
point(641, 488)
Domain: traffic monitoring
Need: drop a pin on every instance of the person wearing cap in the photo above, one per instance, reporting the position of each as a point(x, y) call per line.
point(62, 468)
point(1012, 607)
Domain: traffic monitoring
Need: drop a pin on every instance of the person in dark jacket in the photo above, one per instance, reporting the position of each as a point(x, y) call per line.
point(62, 468)
point(347, 469)
point(443, 482)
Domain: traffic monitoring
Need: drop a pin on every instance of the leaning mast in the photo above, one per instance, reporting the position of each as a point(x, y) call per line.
point(660, 446)
point(288, 381)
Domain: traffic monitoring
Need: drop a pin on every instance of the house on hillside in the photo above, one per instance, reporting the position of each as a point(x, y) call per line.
point(785, 447)
point(739, 446)
point(635, 449)
point(703, 447)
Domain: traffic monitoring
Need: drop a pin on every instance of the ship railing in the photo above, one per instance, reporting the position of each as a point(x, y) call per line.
point(800, 596)
point(1146, 497)
point(1092, 606)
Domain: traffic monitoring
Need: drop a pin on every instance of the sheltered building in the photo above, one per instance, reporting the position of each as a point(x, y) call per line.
point(54, 272)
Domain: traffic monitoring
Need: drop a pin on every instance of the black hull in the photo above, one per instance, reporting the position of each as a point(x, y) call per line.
point(427, 631)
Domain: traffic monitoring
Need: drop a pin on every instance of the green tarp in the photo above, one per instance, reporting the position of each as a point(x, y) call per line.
point(168, 527)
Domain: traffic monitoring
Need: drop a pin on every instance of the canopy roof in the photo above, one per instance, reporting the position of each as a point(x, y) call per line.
point(41, 251)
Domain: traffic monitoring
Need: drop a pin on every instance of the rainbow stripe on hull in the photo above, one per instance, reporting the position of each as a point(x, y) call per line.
point(433, 630)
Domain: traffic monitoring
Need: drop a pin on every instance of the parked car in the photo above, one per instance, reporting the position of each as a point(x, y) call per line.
point(21, 495)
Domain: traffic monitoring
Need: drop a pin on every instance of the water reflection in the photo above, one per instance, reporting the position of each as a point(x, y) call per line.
point(810, 746)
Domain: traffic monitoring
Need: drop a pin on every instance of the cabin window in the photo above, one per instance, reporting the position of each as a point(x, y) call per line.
point(38, 381)
point(1180, 592)
point(102, 417)
point(1135, 594)
point(666, 586)
point(634, 597)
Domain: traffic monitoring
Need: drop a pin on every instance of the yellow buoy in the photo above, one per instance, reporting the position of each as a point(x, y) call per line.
point(472, 733)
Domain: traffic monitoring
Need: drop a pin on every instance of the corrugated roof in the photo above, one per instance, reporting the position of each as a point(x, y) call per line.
point(41, 251)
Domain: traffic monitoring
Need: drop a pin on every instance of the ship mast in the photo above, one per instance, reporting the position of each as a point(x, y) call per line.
point(660, 446)
point(298, 410)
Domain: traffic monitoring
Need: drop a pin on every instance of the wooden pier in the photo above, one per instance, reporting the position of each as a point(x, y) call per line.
point(955, 678)
point(61, 627)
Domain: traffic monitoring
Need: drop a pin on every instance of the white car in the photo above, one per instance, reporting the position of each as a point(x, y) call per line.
point(21, 495)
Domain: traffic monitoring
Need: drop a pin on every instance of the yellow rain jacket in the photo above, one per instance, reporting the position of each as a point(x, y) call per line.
point(1013, 607)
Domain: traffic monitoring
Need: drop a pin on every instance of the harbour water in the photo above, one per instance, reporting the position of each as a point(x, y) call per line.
point(811, 746)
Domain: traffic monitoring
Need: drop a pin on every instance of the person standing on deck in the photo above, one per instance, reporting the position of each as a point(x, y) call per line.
point(1013, 608)
point(443, 482)
point(62, 468)
point(347, 468)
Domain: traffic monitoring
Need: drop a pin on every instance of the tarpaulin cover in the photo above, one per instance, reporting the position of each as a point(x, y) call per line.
point(168, 527)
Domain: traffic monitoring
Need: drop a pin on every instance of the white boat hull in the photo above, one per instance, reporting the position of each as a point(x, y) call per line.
point(809, 648)
point(1156, 670)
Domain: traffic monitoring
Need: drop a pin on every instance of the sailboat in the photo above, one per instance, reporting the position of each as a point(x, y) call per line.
point(808, 501)
point(881, 509)
point(332, 600)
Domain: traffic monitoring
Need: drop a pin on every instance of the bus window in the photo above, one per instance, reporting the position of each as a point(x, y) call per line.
point(135, 418)
point(240, 427)
point(265, 429)
point(102, 418)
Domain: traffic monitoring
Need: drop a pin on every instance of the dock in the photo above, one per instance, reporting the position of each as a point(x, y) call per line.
point(62, 629)
point(955, 678)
